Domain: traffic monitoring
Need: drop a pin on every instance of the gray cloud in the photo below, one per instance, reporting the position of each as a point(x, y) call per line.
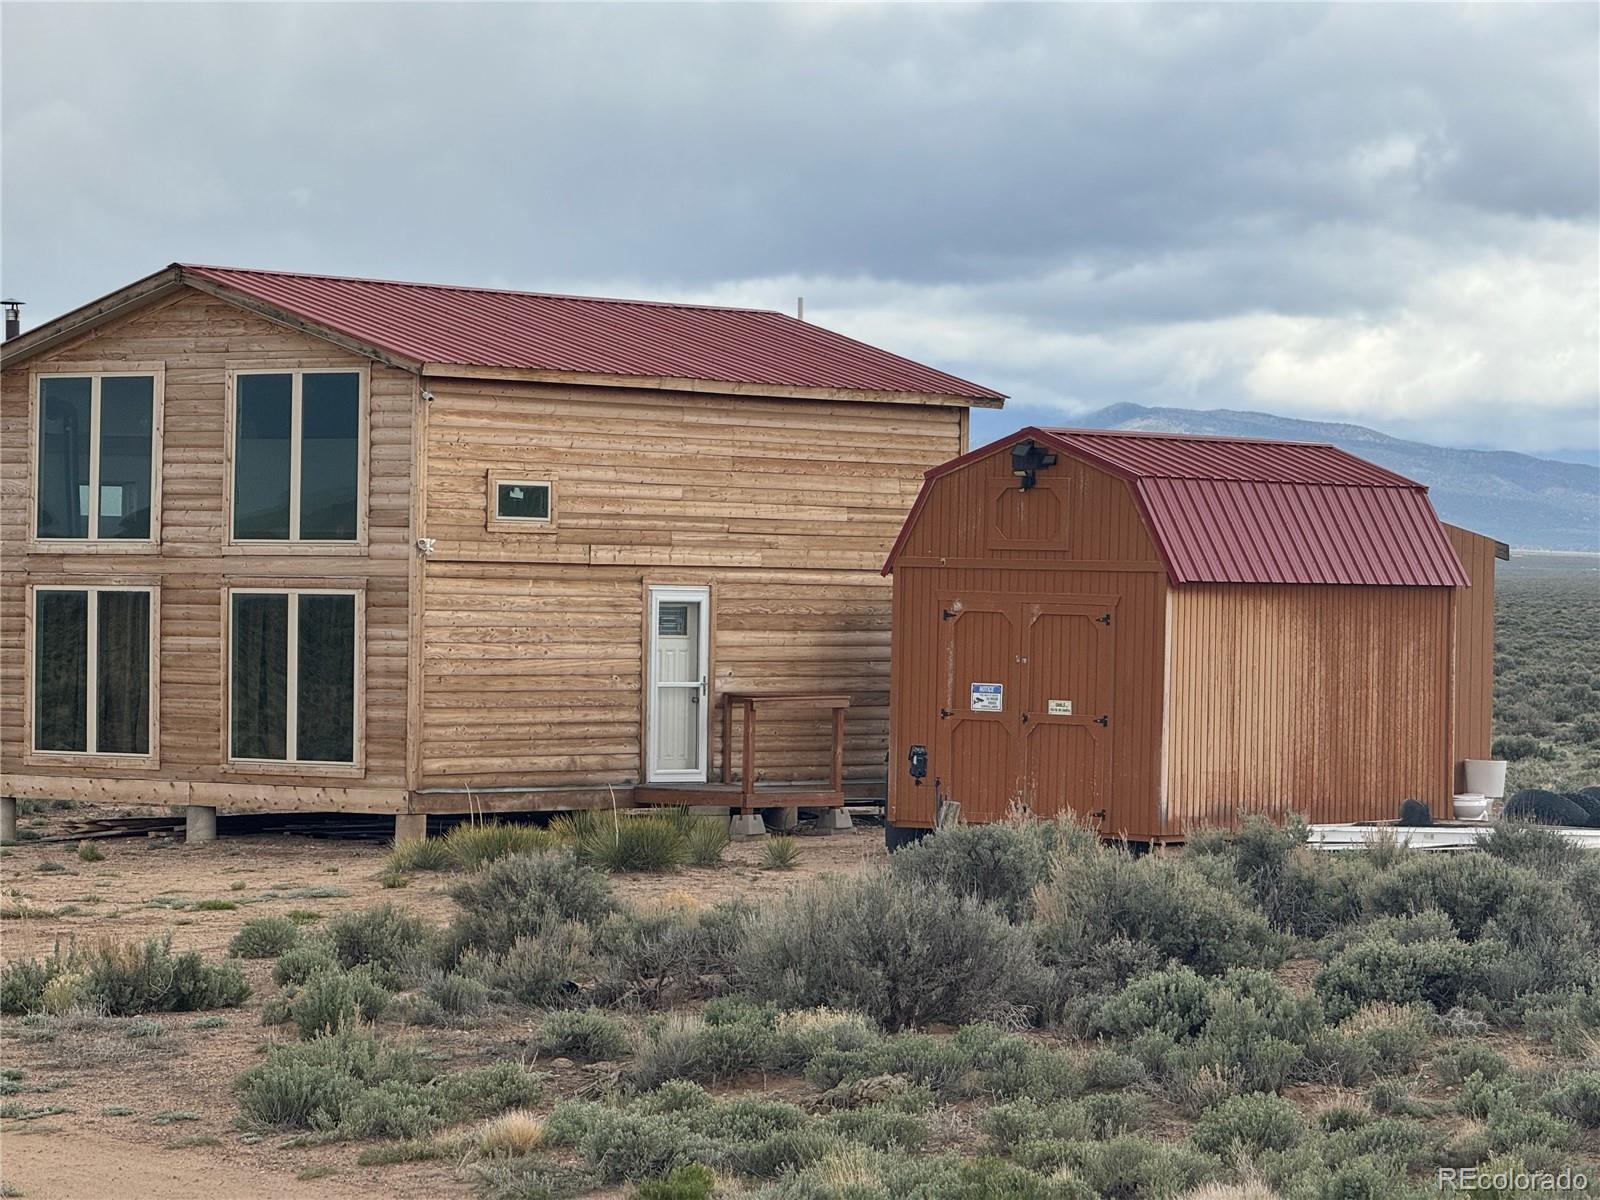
point(1381, 214)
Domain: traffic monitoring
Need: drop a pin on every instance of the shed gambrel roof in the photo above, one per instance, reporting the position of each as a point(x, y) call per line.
point(437, 329)
point(1238, 510)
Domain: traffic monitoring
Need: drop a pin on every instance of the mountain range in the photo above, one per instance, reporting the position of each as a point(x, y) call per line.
point(1529, 502)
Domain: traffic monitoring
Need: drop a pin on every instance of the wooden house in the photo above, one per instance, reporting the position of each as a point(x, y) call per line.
point(280, 541)
point(1159, 632)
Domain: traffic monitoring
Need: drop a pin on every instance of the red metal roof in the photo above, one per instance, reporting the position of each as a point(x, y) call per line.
point(1235, 510)
point(483, 327)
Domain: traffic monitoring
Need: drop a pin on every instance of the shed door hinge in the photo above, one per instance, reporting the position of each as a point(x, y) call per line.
point(1103, 722)
point(947, 615)
point(1105, 620)
point(943, 713)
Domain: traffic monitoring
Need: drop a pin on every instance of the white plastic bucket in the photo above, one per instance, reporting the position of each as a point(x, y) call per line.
point(1486, 777)
point(1471, 806)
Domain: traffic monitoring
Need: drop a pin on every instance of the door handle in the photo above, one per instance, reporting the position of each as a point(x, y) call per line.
point(702, 685)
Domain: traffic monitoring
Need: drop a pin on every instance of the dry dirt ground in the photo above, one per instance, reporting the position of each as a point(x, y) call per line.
point(154, 1117)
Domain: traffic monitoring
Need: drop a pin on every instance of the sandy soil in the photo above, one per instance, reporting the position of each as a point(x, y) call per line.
point(154, 1117)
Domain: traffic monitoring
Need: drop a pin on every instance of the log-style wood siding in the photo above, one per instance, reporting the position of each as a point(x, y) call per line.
point(534, 642)
point(503, 657)
point(199, 340)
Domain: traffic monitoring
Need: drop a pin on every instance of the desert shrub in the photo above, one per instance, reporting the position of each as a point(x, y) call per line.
point(705, 840)
point(332, 999)
point(1544, 808)
point(1511, 1125)
point(89, 852)
point(1395, 1035)
point(652, 958)
point(22, 983)
point(1469, 888)
point(586, 1033)
point(474, 845)
point(1438, 973)
point(544, 969)
point(353, 1083)
point(610, 841)
point(925, 954)
point(780, 853)
point(692, 1181)
point(1548, 944)
point(881, 1126)
point(457, 996)
point(1536, 847)
point(518, 896)
point(999, 863)
point(1244, 1126)
point(1460, 1063)
point(1093, 1117)
point(395, 944)
point(298, 963)
point(1099, 895)
point(1123, 1168)
point(687, 1047)
point(125, 978)
point(1515, 747)
point(1583, 885)
point(1295, 889)
point(264, 937)
point(1577, 1098)
point(1110, 1069)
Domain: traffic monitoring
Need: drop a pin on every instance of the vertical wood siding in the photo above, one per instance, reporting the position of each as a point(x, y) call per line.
point(1333, 702)
point(198, 339)
point(1474, 647)
point(978, 535)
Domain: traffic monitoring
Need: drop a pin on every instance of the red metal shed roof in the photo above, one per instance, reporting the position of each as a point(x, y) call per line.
point(483, 327)
point(1236, 510)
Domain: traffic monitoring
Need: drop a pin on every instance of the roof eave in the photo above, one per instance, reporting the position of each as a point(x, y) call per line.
point(89, 317)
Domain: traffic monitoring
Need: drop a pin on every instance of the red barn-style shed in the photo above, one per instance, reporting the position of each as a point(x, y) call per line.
point(1161, 631)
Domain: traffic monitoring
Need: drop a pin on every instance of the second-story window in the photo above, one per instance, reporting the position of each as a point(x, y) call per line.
point(297, 461)
point(95, 473)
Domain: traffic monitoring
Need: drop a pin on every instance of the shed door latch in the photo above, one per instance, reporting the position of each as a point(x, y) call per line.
point(1105, 620)
point(943, 713)
point(947, 615)
point(1103, 722)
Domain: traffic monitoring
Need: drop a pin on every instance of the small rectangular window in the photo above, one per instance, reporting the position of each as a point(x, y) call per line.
point(673, 620)
point(292, 667)
point(95, 474)
point(522, 500)
point(91, 676)
point(297, 456)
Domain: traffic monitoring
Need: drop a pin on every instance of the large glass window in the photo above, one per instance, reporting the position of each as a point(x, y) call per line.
point(96, 469)
point(91, 675)
point(293, 676)
point(296, 456)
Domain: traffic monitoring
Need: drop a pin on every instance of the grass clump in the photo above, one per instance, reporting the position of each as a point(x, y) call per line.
point(512, 1133)
point(421, 854)
point(474, 845)
point(780, 853)
point(925, 955)
point(264, 937)
point(121, 979)
point(692, 1181)
point(705, 840)
point(616, 842)
point(89, 852)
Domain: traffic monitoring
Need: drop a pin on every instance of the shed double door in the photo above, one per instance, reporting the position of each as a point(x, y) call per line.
point(1025, 710)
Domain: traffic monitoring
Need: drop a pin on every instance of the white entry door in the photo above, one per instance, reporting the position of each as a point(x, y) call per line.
point(680, 623)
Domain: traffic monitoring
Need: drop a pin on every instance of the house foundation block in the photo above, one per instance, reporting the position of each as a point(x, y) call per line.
point(410, 827)
point(8, 819)
point(199, 824)
point(831, 820)
point(747, 825)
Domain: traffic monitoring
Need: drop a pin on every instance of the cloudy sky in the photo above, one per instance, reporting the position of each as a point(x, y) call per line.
point(1382, 215)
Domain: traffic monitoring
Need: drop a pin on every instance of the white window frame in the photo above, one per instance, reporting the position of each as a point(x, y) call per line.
point(518, 524)
point(293, 764)
point(95, 373)
point(363, 439)
point(33, 754)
